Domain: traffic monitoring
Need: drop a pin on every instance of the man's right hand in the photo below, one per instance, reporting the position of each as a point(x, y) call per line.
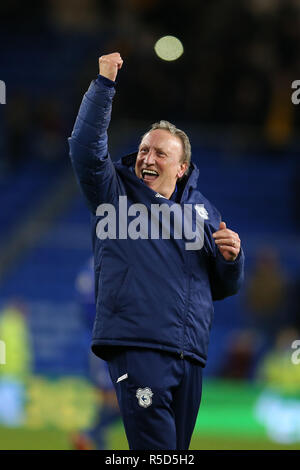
point(109, 65)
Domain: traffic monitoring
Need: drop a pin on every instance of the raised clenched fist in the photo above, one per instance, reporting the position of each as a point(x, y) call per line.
point(109, 65)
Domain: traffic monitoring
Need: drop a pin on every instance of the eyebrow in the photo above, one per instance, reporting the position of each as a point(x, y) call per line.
point(155, 148)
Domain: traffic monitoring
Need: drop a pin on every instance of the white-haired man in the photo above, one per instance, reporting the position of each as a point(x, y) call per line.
point(154, 293)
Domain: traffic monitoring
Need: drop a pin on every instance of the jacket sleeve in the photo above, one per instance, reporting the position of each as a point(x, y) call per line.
point(226, 276)
point(92, 165)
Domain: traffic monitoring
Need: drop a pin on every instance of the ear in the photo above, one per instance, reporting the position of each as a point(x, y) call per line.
point(183, 167)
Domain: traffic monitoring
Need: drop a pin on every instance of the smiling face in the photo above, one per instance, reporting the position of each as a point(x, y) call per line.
point(159, 161)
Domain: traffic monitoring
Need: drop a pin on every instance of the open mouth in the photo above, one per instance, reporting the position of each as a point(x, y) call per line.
point(149, 175)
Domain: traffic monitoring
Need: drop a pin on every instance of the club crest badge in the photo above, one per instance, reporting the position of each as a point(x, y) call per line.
point(201, 211)
point(144, 396)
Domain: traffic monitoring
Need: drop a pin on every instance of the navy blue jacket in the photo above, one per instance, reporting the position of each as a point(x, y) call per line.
point(149, 292)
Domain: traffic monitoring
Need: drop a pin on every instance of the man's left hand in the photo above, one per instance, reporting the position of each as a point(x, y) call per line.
point(228, 242)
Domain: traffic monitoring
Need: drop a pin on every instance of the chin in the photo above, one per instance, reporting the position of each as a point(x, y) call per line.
point(150, 185)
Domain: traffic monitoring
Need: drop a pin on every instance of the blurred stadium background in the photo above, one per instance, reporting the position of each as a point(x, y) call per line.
point(231, 92)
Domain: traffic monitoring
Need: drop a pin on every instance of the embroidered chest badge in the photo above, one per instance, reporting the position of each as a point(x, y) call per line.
point(144, 396)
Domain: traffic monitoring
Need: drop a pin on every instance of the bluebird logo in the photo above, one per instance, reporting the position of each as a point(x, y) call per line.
point(2, 92)
point(2, 353)
point(144, 396)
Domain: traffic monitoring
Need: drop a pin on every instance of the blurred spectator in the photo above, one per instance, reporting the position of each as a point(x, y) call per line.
point(15, 334)
point(266, 293)
point(277, 369)
point(242, 350)
point(279, 376)
point(279, 123)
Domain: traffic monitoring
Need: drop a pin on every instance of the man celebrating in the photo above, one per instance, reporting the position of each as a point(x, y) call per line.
point(154, 294)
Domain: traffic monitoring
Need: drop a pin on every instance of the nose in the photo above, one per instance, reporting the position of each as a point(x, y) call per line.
point(149, 158)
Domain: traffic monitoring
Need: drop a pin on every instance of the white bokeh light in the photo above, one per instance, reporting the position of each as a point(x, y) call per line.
point(168, 48)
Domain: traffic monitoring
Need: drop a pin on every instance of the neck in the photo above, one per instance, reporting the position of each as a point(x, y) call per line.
point(167, 194)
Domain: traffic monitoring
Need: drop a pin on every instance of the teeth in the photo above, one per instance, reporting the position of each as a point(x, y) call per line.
point(149, 172)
